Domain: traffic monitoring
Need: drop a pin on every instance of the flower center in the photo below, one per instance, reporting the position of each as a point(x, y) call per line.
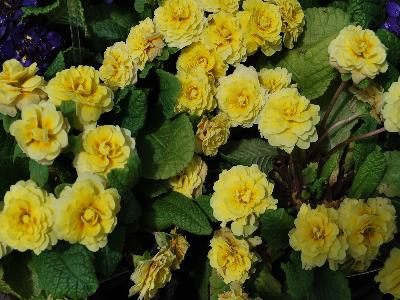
point(180, 13)
point(265, 22)
point(224, 32)
point(317, 233)
point(26, 218)
point(242, 101)
point(40, 134)
point(203, 61)
point(290, 110)
point(90, 216)
point(193, 93)
point(105, 148)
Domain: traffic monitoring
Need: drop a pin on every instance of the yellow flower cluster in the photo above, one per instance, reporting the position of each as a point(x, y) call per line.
point(19, 86)
point(190, 181)
point(103, 149)
point(389, 277)
point(358, 52)
point(42, 132)
point(391, 108)
point(241, 195)
point(214, 6)
point(274, 80)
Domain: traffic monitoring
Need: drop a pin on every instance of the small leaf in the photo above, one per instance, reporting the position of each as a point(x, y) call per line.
point(134, 109)
point(310, 173)
point(127, 177)
point(170, 89)
point(38, 173)
point(75, 144)
point(39, 10)
point(390, 184)
point(18, 153)
point(57, 65)
point(7, 121)
point(59, 188)
point(204, 202)
point(217, 285)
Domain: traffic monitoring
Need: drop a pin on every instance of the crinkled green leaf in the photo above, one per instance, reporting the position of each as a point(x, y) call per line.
point(127, 177)
point(204, 202)
point(367, 13)
point(310, 173)
point(134, 109)
point(38, 173)
point(113, 29)
point(57, 65)
point(392, 42)
point(330, 285)
point(170, 89)
point(154, 188)
point(390, 184)
point(274, 227)
point(39, 10)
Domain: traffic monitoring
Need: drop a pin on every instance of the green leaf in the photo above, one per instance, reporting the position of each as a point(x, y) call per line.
point(204, 202)
point(386, 79)
point(318, 188)
point(390, 184)
point(70, 12)
point(264, 285)
point(154, 188)
point(309, 62)
point(113, 29)
point(39, 10)
point(130, 208)
point(18, 153)
point(134, 109)
point(38, 173)
point(203, 282)
point(330, 285)
point(127, 177)
point(366, 13)
point(274, 227)
point(310, 173)
point(176, 209)
point(75, 144)
point(217, 285)
point(59, 188)
point(139, 5)
point(57, 65)
point(392, 42)
point(7, 121)
point(308, 3)
point(167, 150)
point(364, 147)
point(170, 89)
point(369, 175)
point(66, 272)
point(248, 152)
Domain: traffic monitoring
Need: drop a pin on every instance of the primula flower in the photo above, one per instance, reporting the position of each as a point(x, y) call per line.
point(190, 181)
point(241, 195)
point(230, 6)
point(236, 293)
point(274, 80)
point(19, 86)
point(359, 52)
point(391, 108)
point(144, 43)
point(389, 277)
point(230, 257)
point(373, 95)
point(393, 21)
point(104, 148)
point(26, 221)
point(86, 212)
point(181, 22)
point(118, 69)
point(42, 132)
point(240, 96)
point(178, 246)
point(288, 120)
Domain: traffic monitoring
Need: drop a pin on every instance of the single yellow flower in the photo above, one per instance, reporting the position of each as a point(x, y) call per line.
point(42, 132)
point(190, 181)
point(391, 108)
point(26, 221)
point(373, 95)
point(389, 277)
point(236, 293)
point(181, 22)
point(19, 86)
point(86, 212)
point(274, 80)
point(103, 149)
point(144, 43)
point(288, 120)
point(240, 96)
point(230, 257)
point(118, 70)
point(178, 246)
point(359, 52)
point(241, 195)
point(230, 6)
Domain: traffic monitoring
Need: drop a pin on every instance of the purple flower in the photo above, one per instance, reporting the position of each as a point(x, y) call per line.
point(393, 21)
point(11, 13)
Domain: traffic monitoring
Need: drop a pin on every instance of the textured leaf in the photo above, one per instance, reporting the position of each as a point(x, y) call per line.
point(204, 202)
point(167, 150)
point(364, 147)
point(57, 65)
point(217, 285)
point(39, 10)
point(154, 188)
point(39, 173)
point(390, 184)
point(130, 208)
point(366, 13)
point(274, 227)
point(310, 173)
point(115, 28)
point(128, 176)
point(392, 42)
point(67, 273)
point(170, 89)
point(330, 285)
point(134, 109)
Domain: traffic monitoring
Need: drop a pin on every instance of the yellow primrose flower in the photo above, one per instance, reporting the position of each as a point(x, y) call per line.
point(288, 120)
point(230, 257)
point(26, 221)
point(118, 70)
point(241, 195)
point(292, 21)
point(152, 274)
point(82, 85)
point(318, 237)
point(261, 24)
point(19, 86)
point(240, 96)
point(391, 108)
point(274, 80)
point(190, 181)
point(144, 43)
point(389, 277)
point(103, 149)
point(224, 35)
point(236, 293)
point(196, 95)
point(212, 134)
point(181, 22)
point(178, 246)
point(42, 132)
point(367, 226)
point(230, 6)
point(86, 212)
point(373, 95)
point(359, 52)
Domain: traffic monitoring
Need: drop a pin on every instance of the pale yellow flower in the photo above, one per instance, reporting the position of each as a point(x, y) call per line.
point(391, 108)
point(389, 277)
point(230, 257)
point(230, 6)
point(212, 134)
point(359, 52)
point(190, 181)
point(26, 221)
point(224, 35)
point(274, 80)
point(103, 149)
point(261, 24)
point(240, 96)
point(42, 132)
point(19, 86)
point(181, 22)
point(178, 246)
point(373, 95)
point(152, 274)
point(118, 70)
point(144, 43)
point(86, 212)
point(292, 21)
point(288, 120)
point(241, 195)
point(236, 293)
point(196, 96)
point(318, 237)
point(82, 85)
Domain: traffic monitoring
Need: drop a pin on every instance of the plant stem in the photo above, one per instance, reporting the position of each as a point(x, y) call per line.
point(296, 188)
